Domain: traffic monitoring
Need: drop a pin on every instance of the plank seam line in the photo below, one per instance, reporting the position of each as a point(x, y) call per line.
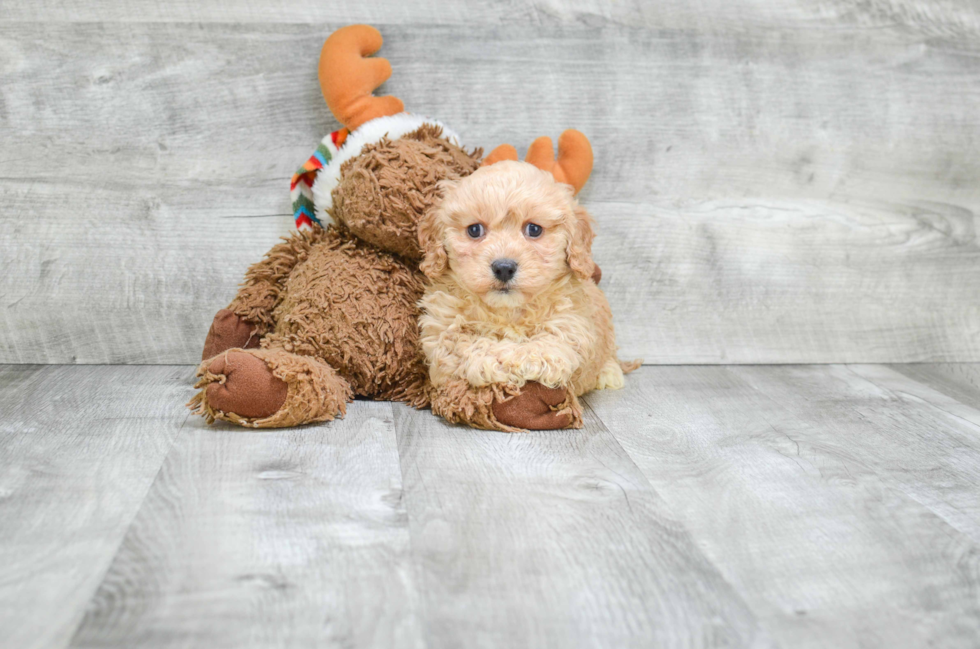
point(903, 396)
point(736, 592)
point(884, 479)
point(129, 526)
point(416, 567)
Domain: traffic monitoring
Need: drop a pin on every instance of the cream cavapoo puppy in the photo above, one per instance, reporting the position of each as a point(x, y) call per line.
point(514, 327)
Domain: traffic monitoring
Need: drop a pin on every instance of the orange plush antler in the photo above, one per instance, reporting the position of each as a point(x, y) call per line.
point(347, 79)
point(574, 162)
point(502, 152)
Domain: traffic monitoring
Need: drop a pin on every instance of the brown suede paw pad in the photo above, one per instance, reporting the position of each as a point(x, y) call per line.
point(249, 388)
point(532, 408)
point(228, 331)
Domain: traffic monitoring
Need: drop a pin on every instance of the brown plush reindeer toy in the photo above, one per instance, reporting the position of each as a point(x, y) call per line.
point(332, 311)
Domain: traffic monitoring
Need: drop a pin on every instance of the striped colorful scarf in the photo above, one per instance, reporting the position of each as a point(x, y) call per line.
point(301, 186)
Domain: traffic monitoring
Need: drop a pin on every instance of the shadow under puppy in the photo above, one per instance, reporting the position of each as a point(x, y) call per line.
point(513, 308)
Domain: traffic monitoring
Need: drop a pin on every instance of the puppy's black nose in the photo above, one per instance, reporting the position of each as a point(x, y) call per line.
point(504, 269)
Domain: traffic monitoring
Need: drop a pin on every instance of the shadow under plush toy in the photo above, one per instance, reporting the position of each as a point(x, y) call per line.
point(332, 311)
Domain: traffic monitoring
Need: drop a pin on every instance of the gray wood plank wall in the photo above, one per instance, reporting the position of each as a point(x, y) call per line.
point(774, 182)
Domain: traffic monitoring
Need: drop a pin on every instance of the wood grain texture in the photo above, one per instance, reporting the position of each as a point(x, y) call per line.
point(936, 461)
point(950, 17)
point(553, 539)
point(784, 194)
point(932, 391)
point(291, 538)
point(821, 506)
point(79, 448)
point(778, 282)
point(836, 509)
point(383, 12)
point(961, 381)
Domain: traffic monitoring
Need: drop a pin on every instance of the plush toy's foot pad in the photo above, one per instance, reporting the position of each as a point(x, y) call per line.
point(537, 407)
point(228, 331)
point(269, 388)
point(248, 389)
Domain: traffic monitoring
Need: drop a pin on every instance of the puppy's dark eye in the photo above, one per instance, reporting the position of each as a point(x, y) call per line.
point(475, 231)
point(533, 230)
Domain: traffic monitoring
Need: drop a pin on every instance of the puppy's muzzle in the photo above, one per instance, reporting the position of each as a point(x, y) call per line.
point(504, 269)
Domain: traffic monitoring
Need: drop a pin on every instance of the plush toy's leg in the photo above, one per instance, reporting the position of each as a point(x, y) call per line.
point(269, 388)
point(264, 280)
point(507, 408)
point(227, 332)
point(249, 316)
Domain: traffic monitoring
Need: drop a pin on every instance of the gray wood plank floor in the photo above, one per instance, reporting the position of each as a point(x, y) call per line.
point(706, 506)
point(79, 450)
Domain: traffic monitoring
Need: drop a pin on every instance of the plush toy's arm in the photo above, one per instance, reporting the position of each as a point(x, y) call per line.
point(259, 292)
point(507, 407)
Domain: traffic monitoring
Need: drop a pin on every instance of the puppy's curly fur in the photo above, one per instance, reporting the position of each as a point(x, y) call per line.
point(550, 323)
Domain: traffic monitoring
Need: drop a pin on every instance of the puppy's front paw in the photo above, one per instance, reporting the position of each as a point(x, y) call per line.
point(552, 366)
point(538, 408)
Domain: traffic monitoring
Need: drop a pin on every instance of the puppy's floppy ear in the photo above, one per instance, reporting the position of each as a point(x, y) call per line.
point(579, 249)
point(435, 261)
